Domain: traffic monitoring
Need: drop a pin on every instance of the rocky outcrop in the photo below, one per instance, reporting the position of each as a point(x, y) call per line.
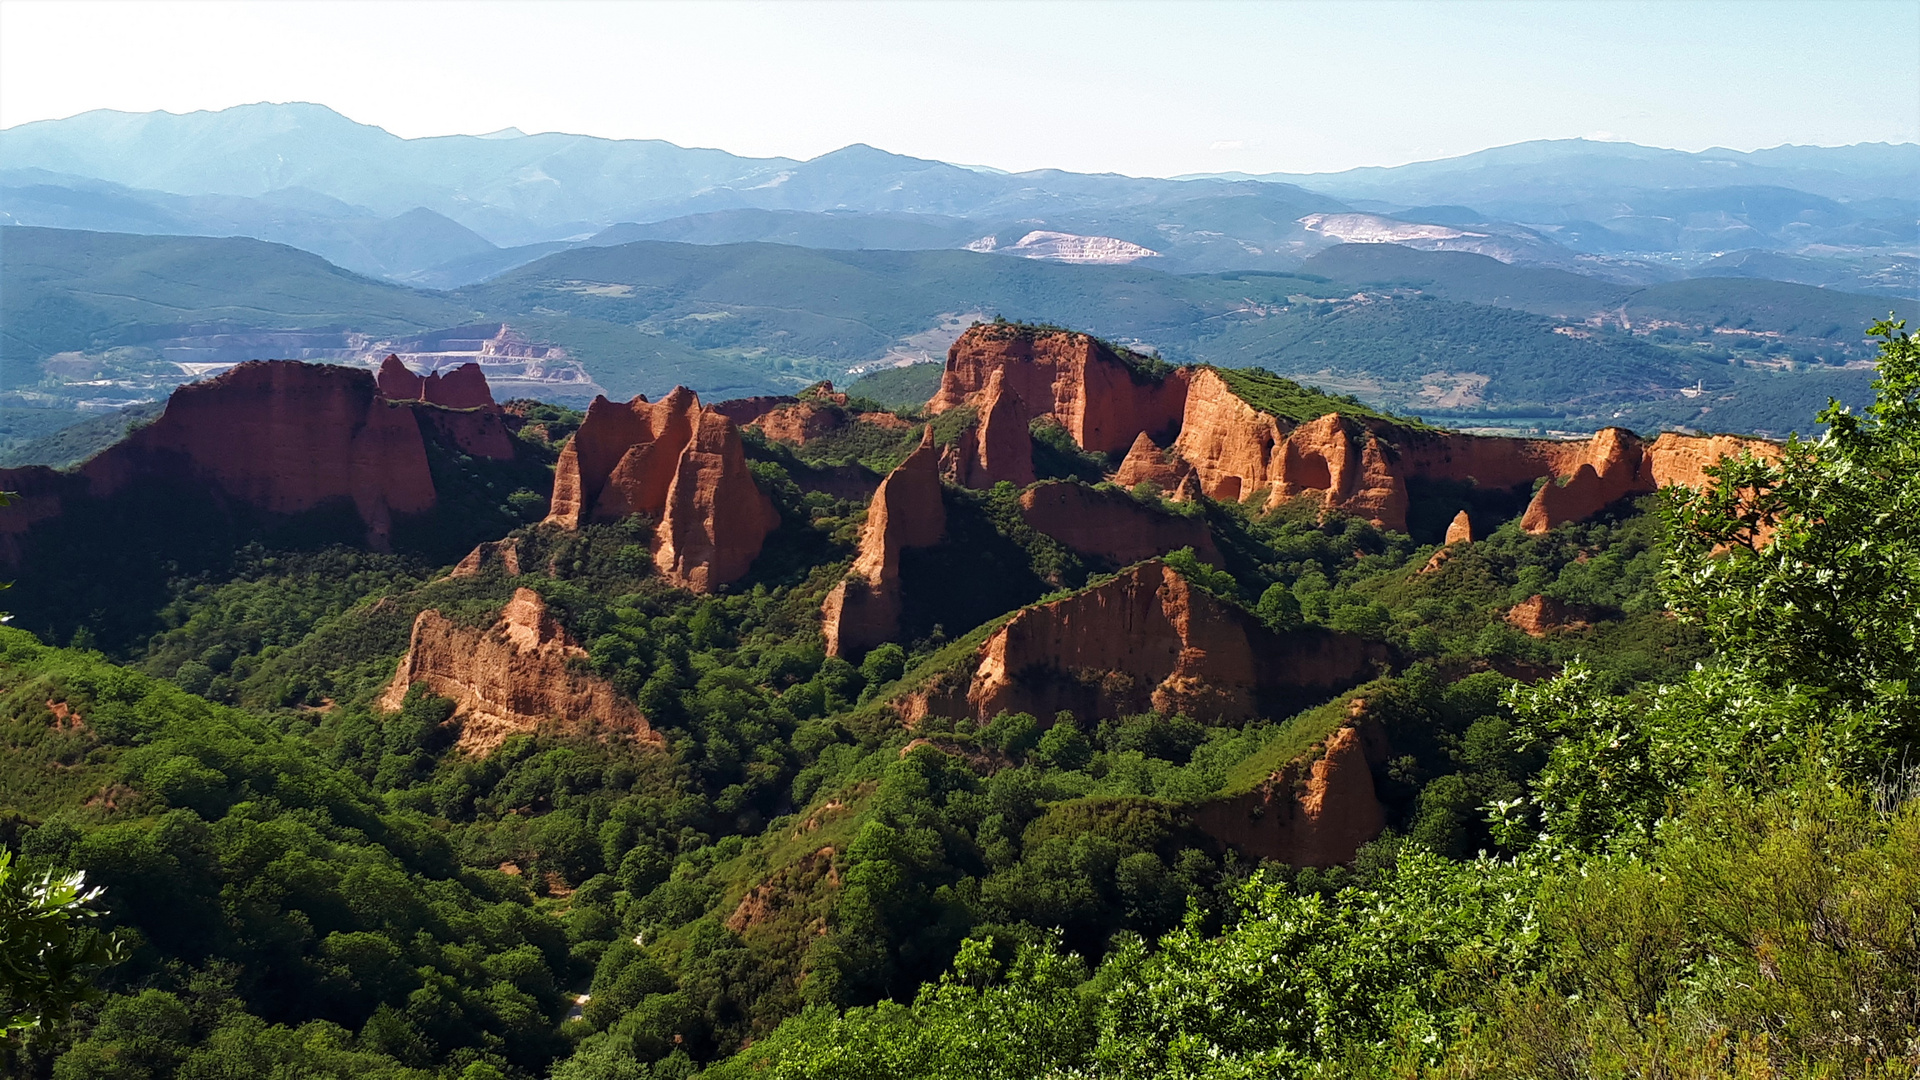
point(1361, 466)
point(678, 463)
point(277, 436)
point(274, 436)
point(1346, 464)
point(817, 412)
point(517, 675)
point(1227, 443)
point(1101, 400)
point(1683, 460)
point(640, 440)
point(715, 518)
point(748, 410)
point(1147, 639)
point(1611, 471)
point(997, 445)
point(1460, 531)
point(1538, 616)
point(906, 512)
point(1111, 526)
point(463, 387)
point(1316, 811)
point(501, 555)
point(1230, 451)
point(1147, 463)
point(800, 423)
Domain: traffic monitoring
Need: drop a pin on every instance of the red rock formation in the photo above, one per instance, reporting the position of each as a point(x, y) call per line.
point(1147, 463)
point(1461, 531)
point(464, 387)
point(1111, 525)
point(748, 410)
point(1234, 452)
point(716, 517)
point(1674, 459)
point(906, 511)
point(501, 554)
point(284, 437)
point(1361, 466)
point(998, 445)
point(1101, 401)
point(476, 432)
point(1611, 472)
point(1539, 616)
point(678, 463)
point(641, 442)
point(515, 676)
point(1320, 818)
point(800, 422)
point(1346, 464)
point(1228, 443)
point(1149, 640)
point(278, 436)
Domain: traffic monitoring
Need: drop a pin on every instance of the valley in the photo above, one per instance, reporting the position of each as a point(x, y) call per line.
point(719, 714)
point(553, 607)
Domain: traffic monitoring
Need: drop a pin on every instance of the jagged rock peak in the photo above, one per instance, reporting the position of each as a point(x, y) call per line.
point(678, 463)
point(906, 512)
point(464, 387)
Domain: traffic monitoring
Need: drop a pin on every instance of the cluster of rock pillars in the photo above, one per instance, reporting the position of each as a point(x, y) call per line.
point(285, 437)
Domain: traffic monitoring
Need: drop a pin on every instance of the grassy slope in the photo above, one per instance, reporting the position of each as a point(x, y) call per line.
point(900, 388)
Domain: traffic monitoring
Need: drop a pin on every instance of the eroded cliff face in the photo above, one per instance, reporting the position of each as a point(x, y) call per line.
point(682, 465)
point(716, 518)
point(1683, 459)
point(512, 677)
point(278, 436)
point(1111, 526)
point(906, 512)
point(1147, 639)
point(1101, 401)
point(1617, 464)
point(463, 387)
point(1361, 466)
point(998, 445)
point(284, 437)
point(1345, 463)
point(1314, 812)
point(1227, 443)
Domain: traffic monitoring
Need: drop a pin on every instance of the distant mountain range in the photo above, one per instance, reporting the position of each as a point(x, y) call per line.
point(451, 211)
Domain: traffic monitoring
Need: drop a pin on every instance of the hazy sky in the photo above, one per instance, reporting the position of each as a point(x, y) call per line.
point(1147, 89)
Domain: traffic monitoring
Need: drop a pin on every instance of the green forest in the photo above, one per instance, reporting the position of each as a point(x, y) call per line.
point(1676, 835)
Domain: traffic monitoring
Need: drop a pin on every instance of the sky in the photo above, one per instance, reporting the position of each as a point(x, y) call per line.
point(1139, 88)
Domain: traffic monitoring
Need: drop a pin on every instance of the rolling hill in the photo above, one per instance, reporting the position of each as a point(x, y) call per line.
point(109, 319)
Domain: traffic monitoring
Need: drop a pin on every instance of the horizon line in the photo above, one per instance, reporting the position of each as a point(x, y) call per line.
point(498, 135)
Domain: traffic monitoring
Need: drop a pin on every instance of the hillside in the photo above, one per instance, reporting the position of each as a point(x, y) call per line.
point(452, 740)
point(118, 300)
